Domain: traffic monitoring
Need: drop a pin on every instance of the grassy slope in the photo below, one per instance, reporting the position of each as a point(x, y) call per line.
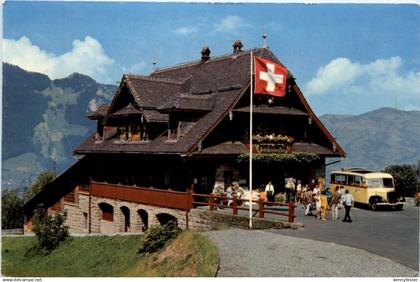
point(103, 256)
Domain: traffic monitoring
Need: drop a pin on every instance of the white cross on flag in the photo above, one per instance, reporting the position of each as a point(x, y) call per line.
point(270, 78)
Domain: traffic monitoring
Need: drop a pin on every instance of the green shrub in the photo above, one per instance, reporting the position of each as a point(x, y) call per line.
point(279, 158)
point(155, 237)
point(406, 182)
point(49, 230)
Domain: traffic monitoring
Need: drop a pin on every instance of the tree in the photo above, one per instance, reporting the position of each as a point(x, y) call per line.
point(406, 181)
point(43, 179)
point(12, 209)
point(49, 230)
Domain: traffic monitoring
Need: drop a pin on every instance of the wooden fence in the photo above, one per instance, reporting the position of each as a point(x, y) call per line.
point(222, 201)
point(16, 231)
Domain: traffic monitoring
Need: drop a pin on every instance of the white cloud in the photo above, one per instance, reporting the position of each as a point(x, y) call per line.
point(87, 57)
point(186, 30)
point(337, 73)
point(381, 77)
point(230, 23)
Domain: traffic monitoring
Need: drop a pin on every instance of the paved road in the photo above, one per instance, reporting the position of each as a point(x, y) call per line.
point(388, 233)
point(258, 253)
point(392, 234)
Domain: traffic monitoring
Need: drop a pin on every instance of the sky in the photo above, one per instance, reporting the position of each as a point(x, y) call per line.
point(347, 58)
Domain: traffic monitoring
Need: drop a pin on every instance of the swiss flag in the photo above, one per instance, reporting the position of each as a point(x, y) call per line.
point(270, 78)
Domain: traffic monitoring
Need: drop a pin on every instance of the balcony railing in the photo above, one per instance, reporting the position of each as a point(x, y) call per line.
point(149, 196)
point(187, 200)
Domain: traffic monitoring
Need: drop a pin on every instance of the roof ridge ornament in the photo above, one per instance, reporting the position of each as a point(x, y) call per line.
point(205, 53)
point(264, 36)
point(237, 46)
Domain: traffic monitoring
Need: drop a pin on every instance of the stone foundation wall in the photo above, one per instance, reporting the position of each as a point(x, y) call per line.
point(135, 221)
point(199, 218)
point(78, 214)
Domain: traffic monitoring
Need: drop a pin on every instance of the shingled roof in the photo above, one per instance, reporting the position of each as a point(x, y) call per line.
point(149, 92)
point(212, 87)
point(100, 112)
point(130, 109)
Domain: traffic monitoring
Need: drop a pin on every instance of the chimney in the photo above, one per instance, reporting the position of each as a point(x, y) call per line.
point(237, 46)
point(205, 53)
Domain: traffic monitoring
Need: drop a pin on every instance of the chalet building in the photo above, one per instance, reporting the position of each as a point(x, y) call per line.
point(180, 129)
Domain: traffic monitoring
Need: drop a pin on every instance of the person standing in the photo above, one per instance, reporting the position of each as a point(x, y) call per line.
point(308, 199)
point(324, 206)
point(316, 190)
point(290, 188)
point(335, 201)
point(348, 202)
point(298, 191)
point(269, 190)
point(229, 195)
point(218, 191)
point(237, 190)
point(317, 199)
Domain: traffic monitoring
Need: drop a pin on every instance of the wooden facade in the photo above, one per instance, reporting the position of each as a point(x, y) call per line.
point(184, 128)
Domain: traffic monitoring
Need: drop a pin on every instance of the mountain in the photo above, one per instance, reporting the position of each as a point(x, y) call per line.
point(43, 120)
point(378, 138)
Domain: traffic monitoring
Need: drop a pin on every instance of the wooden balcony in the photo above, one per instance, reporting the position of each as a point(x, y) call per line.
point(148, 196)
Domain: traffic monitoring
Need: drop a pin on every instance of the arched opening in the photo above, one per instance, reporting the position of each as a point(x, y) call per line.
point(107, 212)
point(164, 218)
point(144, 219)
point(126, 214)
point(107, 218)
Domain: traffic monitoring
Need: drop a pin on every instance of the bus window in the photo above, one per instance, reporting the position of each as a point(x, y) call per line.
point(364, 183)
point(350, 179)
point(388, 183)
point(340, 179)
point(357, 180)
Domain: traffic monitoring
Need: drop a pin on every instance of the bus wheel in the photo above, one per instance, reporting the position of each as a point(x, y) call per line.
point(373, 205)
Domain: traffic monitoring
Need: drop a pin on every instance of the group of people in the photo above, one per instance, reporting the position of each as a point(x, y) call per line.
point(232, 190)
point(316, 200)
point(313, 199)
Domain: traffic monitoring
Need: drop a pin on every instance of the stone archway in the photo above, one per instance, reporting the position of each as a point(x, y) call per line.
point(144, 219)
point(164, 218)
point(107, 218)
point(125, 222)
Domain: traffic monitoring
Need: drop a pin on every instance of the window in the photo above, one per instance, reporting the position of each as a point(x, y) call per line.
point(123, 133)
point(173, 128)
point(358, 180)
point(338, 179)
point(135, 132)
point(380, 183)
point(138, 132)
point(132, 132)
point(350, 179)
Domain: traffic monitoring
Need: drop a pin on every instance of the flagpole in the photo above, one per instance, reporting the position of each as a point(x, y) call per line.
point(250, 144)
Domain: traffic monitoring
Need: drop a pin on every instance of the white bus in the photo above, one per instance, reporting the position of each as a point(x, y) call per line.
point(370, 188)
